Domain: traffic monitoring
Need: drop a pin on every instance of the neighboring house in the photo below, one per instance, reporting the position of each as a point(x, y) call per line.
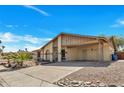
point(36, 54)
point(73, 47)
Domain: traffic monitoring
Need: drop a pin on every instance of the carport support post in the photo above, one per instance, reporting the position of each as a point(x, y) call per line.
point(101, 57)
point(59, 49)
point(51, 54)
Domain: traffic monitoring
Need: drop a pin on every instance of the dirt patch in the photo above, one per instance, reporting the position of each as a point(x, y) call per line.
point(14, 66)
point(110, 75)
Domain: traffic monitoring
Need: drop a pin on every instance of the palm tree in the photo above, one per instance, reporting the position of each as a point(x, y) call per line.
point(18, 58)
point(23, 56)
point(3, 47)
point(26, 49)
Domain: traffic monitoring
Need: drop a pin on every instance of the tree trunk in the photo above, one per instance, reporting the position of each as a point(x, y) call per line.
point(21, 63)
point(8, 62)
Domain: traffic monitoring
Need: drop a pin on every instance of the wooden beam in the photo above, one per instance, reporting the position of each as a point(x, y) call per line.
point(85, 43)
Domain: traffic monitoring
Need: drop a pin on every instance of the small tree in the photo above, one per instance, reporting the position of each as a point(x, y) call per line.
point(1, 49)
point(119, 41)
point(23, 56)
point(8, 57)
point(18, 58)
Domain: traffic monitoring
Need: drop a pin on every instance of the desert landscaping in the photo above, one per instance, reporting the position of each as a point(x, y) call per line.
point(98, 75)
point(66, 74)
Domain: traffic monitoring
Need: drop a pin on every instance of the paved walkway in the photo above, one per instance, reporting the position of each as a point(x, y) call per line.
point(44, 75)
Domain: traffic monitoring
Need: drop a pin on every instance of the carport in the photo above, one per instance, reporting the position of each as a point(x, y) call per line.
point(89, 51)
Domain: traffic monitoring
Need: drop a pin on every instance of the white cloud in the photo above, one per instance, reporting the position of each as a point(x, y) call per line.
point(121, 22)
point(16, 25)
point(31, 47)
point(35, 40)
point(25, 25)
point(118, 23)
point(114, 25)
point(9, 26)
point(37, 10)
point(15, 42)
point(31, 39)
point(15, 48)
point(9, 37)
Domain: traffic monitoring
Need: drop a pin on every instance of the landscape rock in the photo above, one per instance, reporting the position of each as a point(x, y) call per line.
point(122, 85)
point(69, 85)
point(102, 85)
point(119, 86)
point(93, 85)
point(60, 84)
point(67, 79)
point(87, 83)
point(112, 85)
point(1, 84)
point(75, 83)
point(97, 81)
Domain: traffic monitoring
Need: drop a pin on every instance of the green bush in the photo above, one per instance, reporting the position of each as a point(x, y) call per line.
point(18, 57)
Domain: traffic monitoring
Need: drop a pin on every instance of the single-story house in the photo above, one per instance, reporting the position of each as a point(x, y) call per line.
point(74, 47)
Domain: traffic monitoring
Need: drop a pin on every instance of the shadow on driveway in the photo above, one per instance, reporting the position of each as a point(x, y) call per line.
point(4, 69)
point(67, 64)
point(80, 64)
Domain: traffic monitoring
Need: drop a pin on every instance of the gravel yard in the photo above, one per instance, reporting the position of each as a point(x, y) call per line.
point(113, 74)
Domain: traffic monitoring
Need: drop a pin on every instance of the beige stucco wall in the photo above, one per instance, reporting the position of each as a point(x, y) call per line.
point(75, 40)
point(34, 55)
point(89, 53)
point(50, 48)
point(108, 51)
point(55, 43)
point(83, 53)
point(42, 54)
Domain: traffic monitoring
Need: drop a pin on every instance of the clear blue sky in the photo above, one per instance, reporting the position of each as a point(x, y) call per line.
point(32, 26)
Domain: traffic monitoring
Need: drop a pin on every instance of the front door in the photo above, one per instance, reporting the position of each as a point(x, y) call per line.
point(63, 54)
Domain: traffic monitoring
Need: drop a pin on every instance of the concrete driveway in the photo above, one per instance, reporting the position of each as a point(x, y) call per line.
point(42, 75)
